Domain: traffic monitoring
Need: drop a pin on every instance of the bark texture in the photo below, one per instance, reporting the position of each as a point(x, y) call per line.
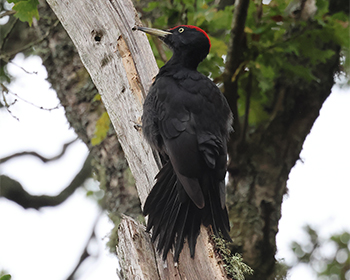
point(262, 157)
point(139, 261)
point(121, 64)
point(76, 92)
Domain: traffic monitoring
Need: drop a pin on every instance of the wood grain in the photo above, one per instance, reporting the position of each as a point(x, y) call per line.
point(122, 66)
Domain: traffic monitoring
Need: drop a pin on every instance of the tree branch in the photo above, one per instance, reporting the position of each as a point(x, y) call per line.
point(235, 50)
point(35, 154)
point(11, 24)
point(247, 109)
point(85, 254)
point(14, 191)
point(234, 61)
point(8, 56)
point(122, 66)
point(224, 3)
point(7, 13)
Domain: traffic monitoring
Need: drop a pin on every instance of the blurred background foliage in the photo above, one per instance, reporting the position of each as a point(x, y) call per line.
point(276, 35)
point(328, 258)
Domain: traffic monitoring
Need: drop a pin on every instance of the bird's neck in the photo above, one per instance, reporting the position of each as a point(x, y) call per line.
point(185, 60)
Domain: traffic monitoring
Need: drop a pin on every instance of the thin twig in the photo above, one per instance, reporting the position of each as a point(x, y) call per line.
point(10, 112)
point(85, 254)
point(283, 41)
point(7, 13)
point(7, 56)
point(35, 154)
point(8, 32)
point(26, 71)
point(37, 106)
point(6, 90)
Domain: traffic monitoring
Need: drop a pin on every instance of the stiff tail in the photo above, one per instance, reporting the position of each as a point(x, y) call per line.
point(174, 217)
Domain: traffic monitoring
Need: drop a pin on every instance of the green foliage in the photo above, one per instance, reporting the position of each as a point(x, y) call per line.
point(233, 264)
point(4, 76)
point(5, 277)
point(201, 13)
point(97, 97)
point(26, 10)
point(276, 44)
point(280, 271)
point(333, 263)
point(101, 129)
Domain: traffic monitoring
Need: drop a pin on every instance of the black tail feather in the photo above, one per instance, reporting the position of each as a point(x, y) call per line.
point(194, 225)
point(181, 233)
point(175, 217)
point(168, 230)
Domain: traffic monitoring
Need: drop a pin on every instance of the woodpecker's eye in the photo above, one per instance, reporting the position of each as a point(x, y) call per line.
point(181, 30)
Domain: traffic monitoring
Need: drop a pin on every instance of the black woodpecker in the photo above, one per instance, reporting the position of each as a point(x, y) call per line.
point(188, 121)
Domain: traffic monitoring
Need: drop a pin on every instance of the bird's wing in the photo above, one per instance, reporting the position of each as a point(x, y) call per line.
point(214, 153)
point(182, 148)
point(177, 129)
point(189, 140)
point(214, 122)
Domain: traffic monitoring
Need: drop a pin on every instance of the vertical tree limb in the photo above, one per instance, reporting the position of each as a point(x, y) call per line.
point(235, 50)
point(122, 66)
point(234, 60)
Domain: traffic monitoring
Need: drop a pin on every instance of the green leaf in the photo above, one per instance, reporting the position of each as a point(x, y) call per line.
point(88, 193)
point(221, 19)
point(322, 7)
point(218, 46)
point(26, 10)
point(97, 97)
point(4, 75)
point(257, 113)
point(151, 6)
point(300, 71)
point(101, 129)
point(5, 277)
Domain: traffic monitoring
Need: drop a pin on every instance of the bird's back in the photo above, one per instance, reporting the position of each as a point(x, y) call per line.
point(187, 119)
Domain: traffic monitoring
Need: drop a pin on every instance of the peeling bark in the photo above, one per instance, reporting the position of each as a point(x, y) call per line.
point(260, 161)
point(139, 261)
point(76, 92)
point(260, 165)
point(122, 66)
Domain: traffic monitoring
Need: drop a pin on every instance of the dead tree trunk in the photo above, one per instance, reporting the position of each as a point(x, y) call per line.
point(122, 66)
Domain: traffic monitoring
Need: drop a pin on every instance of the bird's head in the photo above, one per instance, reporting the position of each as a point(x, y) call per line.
point(189, 43)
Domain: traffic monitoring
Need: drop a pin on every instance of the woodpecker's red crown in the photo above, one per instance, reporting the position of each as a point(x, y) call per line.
point(190, 44)
point(193, 27)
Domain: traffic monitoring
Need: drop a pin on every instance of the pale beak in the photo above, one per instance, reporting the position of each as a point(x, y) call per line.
point(154, 31)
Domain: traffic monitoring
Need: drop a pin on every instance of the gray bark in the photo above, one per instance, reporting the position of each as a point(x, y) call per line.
point(122, 66)
point(110, 51)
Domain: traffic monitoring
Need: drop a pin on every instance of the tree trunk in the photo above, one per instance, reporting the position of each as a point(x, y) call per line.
point(122, 66)
point(261, 157)
point(76, 93)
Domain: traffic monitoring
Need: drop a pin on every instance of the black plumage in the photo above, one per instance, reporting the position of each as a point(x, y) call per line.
point(187, 119)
